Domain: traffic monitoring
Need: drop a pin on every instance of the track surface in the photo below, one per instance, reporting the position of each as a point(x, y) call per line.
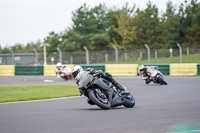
point(158, 109)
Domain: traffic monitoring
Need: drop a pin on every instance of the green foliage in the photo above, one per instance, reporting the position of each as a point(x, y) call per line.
point(148, 27)
point(170, 27)
point(193, 58)
point(193, 24)
point(53, 40)
point(125, 27)
point(89, 29)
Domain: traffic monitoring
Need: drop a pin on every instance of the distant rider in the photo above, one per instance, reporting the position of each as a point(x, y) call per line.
point(63, 71)
point(76, 70)
point(144, 72)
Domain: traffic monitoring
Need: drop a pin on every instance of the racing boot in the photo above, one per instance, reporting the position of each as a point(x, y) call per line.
point(117, 85)
point(109, 77)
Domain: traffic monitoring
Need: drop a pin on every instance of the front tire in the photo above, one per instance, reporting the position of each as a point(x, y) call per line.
point(129, 101)
point(100, 101)
point(162, 81)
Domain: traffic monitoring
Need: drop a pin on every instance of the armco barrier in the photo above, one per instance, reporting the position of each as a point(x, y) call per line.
point(198, 69)
point(164, 69)
point(122, 69)
point(96, 67)
point(183, 69)
point(29, 70)
point(49, 70)
point(7, 70)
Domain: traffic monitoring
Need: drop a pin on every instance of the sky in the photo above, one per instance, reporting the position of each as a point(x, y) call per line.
point(24, 21)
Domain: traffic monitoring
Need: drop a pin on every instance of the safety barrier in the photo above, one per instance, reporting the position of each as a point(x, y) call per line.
point(198, 69)
point(49, 70)
point(28, 70)
point(7, 70)
point(115, 69)
point(183, 69)
point(122, 69)
point(96, 67)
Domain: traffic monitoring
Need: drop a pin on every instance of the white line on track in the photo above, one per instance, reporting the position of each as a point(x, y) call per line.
point(42, 100)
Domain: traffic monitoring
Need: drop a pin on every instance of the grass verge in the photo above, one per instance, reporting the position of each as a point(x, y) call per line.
point(192, 58)
point(26, 93)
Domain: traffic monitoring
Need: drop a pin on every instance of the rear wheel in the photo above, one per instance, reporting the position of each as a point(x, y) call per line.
point(99, 99)
point(129, 101)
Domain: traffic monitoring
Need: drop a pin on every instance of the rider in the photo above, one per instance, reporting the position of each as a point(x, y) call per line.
point(60, 71)
point(78, 69)
point(143, 71)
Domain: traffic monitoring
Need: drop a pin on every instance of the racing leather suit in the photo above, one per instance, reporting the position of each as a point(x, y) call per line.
point(106, 76)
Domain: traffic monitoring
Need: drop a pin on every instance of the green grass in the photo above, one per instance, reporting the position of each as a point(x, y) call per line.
point(192, 58)
point(25, 93)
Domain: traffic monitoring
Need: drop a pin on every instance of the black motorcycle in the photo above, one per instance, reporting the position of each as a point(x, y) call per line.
point(102, 93)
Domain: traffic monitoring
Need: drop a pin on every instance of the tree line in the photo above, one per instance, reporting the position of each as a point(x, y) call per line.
point(99, 28)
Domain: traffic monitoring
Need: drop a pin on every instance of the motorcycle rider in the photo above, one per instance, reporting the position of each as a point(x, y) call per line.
point(76, 70)
point(60, 71)
point(143, 71)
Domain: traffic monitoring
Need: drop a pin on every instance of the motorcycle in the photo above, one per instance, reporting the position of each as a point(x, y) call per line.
point(65, 73)
point(156, 76)
point(102, 93)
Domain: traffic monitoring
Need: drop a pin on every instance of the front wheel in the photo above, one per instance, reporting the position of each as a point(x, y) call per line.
point(162, 81)
point(129, 101)
point(99, 99)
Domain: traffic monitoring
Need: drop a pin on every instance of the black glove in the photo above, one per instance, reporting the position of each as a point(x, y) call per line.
point(91, 70)
point(81, 90)
point(98, 72)
point(108, 75)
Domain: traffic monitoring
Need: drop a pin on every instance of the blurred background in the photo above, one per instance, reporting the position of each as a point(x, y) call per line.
point(126, 34)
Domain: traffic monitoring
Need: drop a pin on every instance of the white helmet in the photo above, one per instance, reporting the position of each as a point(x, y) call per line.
point(140, 68)
point(59, 64)
point(76, 70)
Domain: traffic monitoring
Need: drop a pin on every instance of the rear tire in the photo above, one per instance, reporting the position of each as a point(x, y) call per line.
point(103, 103)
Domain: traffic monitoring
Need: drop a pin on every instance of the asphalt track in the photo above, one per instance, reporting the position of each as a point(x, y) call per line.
point(159, 109)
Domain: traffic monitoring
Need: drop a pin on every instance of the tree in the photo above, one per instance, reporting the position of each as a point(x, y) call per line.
point(54, 39)
point(170, 23)
point(148, 28)
point(192, 24)
point(124, 28)
point(89, 28)
point(17, 48)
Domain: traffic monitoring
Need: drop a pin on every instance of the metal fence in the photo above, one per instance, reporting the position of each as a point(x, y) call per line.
point(95, 57)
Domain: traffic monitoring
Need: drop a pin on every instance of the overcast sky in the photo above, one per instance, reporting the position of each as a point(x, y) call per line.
point(23, 21)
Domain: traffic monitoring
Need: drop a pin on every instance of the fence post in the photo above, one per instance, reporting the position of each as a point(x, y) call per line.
point(60, 55)
point(171, 51)
point(36, 56)
point(116, 53)
point(188, 52)
point(106, 58)
point(12, 56)
point(71, 59)
point(87, 55)
point(180, 52)
point(148, 53)
point(156, 54)
point(126, 56)
point(45, 53)
point(140, 55)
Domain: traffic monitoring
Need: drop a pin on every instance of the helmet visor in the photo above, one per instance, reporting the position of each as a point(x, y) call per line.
point(75, 73)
